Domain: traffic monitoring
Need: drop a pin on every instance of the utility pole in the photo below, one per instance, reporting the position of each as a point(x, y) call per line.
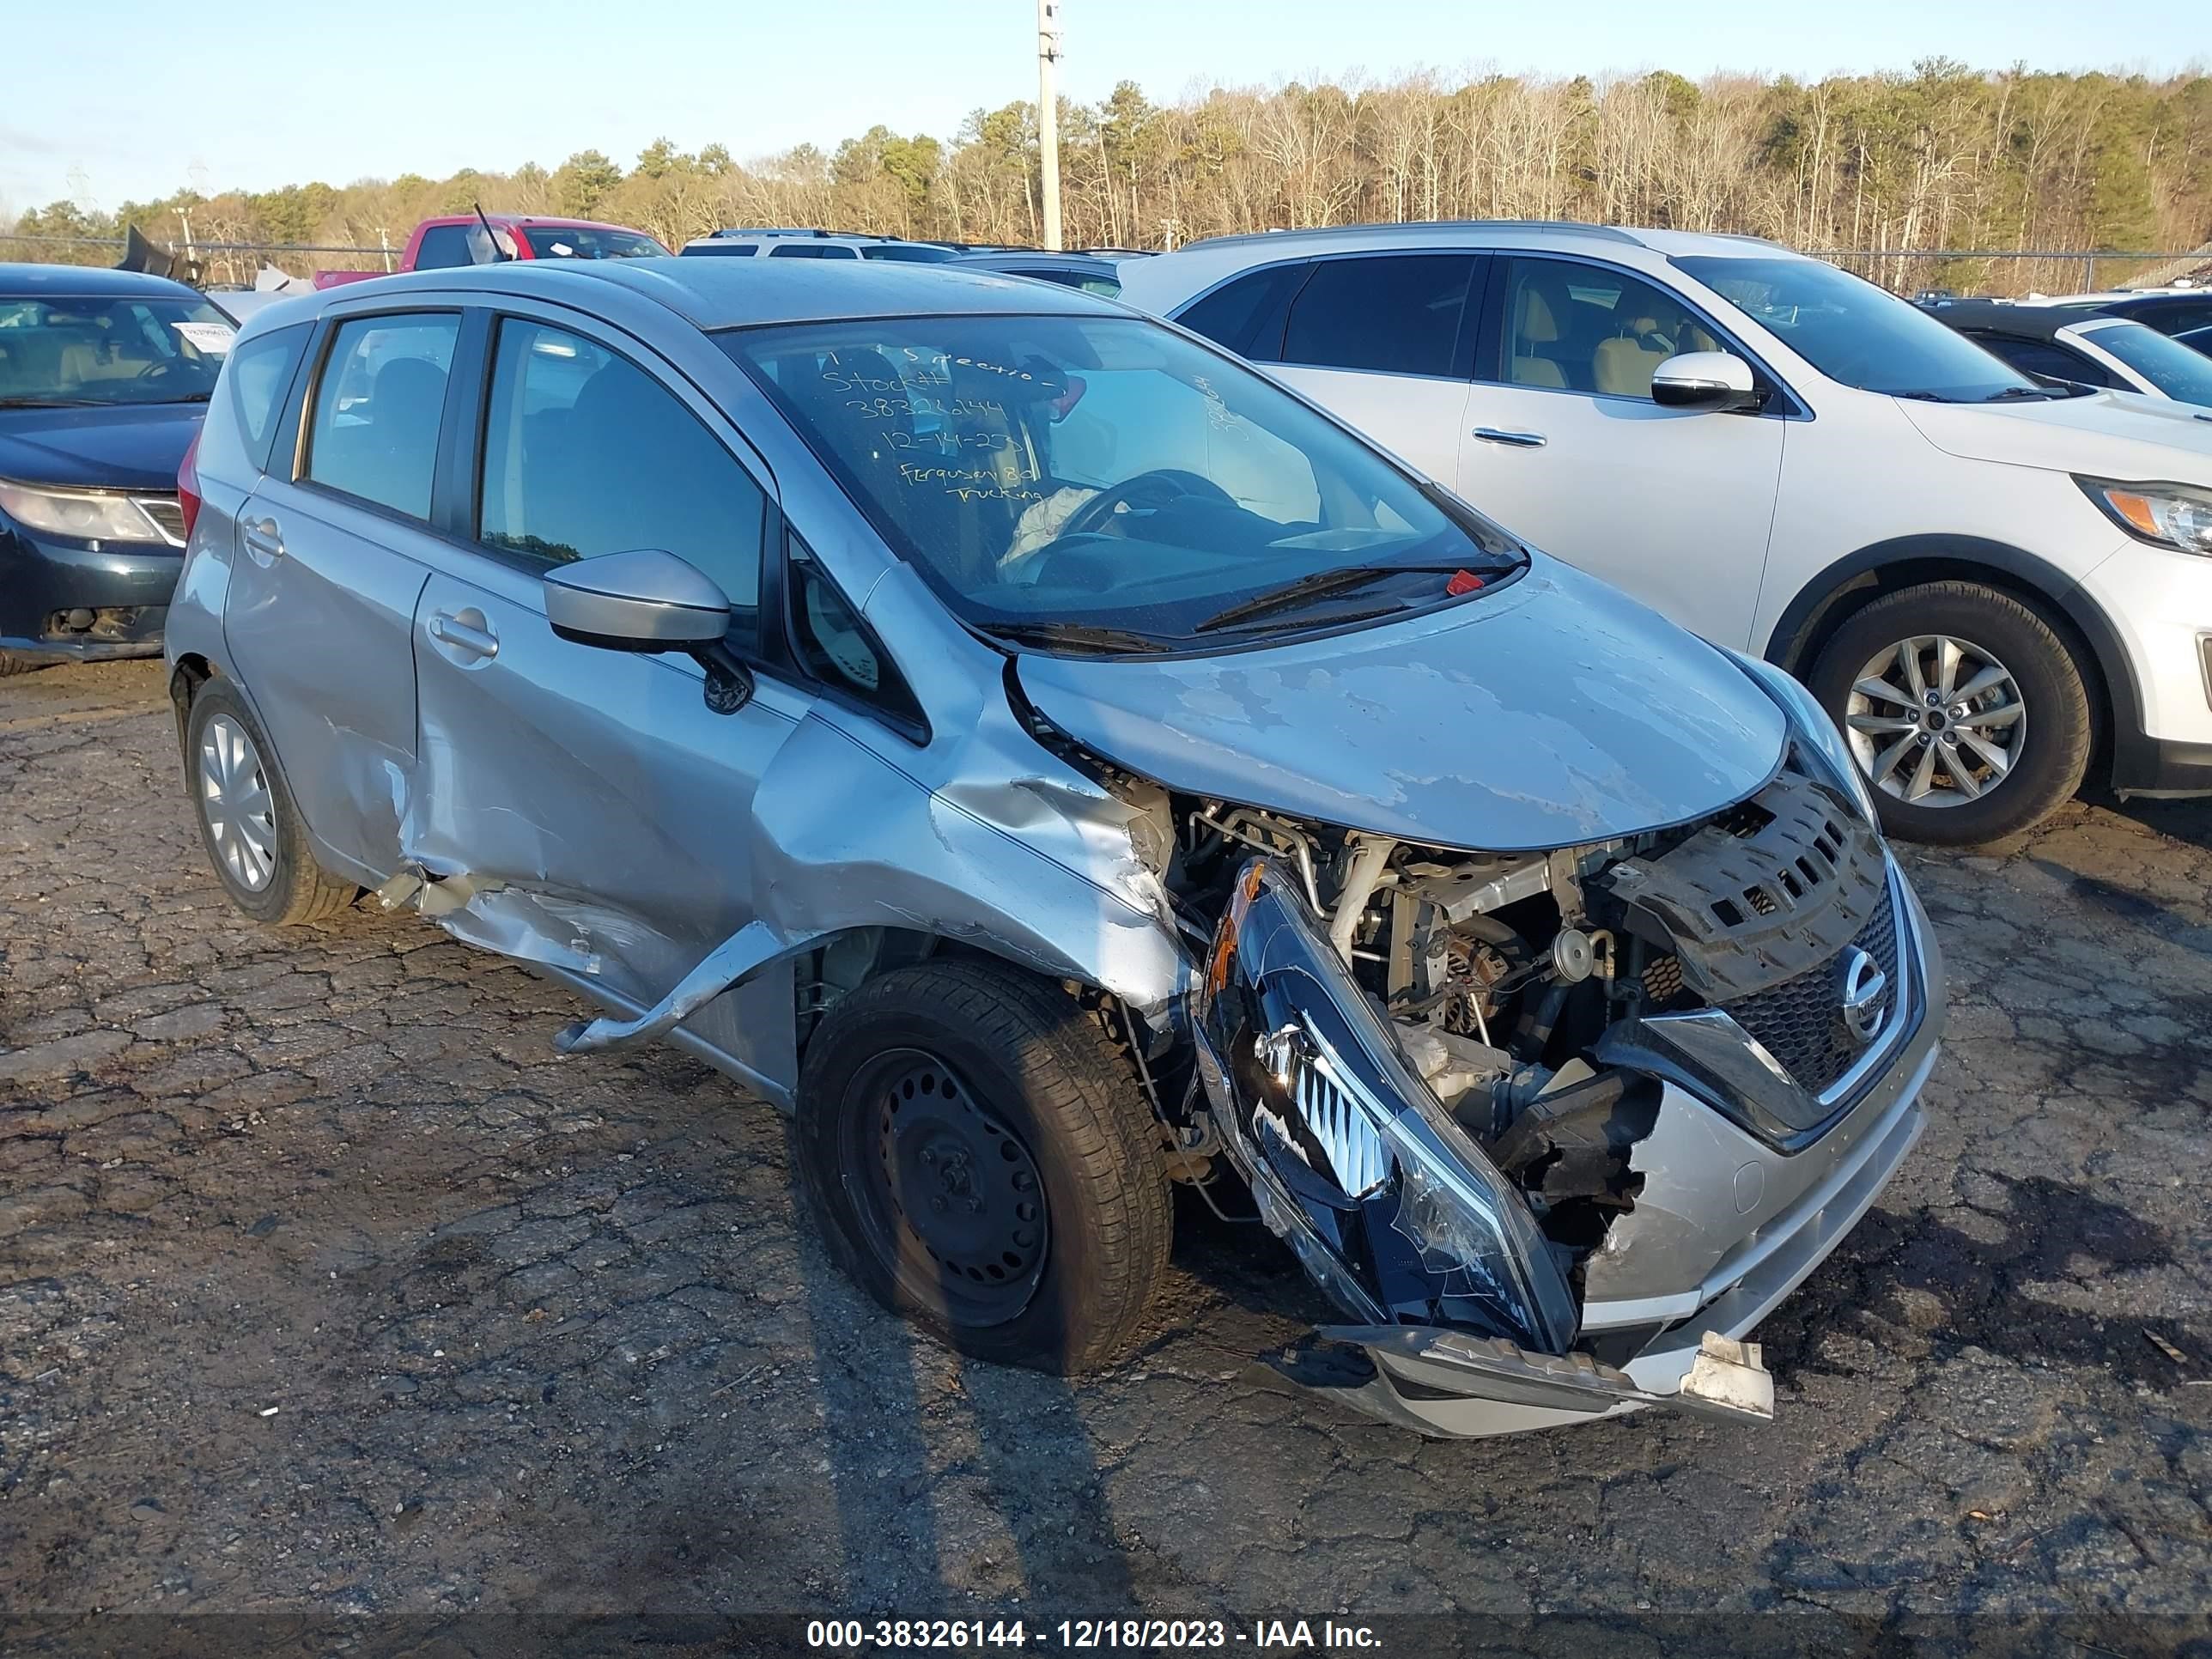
point(1048, 117)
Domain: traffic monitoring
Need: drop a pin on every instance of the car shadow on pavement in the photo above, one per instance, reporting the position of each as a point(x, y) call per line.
point(935, 1459)
point(1981, 1274)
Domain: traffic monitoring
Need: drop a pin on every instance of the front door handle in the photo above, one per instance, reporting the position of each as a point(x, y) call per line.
point(467, 633)
point(262, 536)
point(1491, 434)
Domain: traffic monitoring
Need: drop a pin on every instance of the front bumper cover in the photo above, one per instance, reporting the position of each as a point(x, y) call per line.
point(1464, 1322)
point(127, 586)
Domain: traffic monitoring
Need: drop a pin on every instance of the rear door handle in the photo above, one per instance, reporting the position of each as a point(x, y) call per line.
point(262, 536)
point(1491, 434)
point(471, 637)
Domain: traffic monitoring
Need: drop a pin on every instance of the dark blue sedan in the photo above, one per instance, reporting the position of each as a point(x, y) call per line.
point(104, 378)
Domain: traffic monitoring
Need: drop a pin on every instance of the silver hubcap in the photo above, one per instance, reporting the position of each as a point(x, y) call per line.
point(1936, 721)
point(234, 800)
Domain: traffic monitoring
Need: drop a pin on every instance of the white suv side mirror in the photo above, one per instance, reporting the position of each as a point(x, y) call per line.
point(1704, 379)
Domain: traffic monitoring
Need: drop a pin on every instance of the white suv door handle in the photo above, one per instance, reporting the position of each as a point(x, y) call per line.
point(477, 641)
point(1491, 434)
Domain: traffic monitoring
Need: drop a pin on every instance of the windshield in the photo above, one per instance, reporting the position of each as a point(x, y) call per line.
point(1105, 476)
point(2183, 374)
point(568, 242)
point(1854, 333)
point(56, 350)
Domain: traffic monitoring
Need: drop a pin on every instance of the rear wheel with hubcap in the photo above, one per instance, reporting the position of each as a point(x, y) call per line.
point(980, 1160)
point(248, 823)
point(1963, 708)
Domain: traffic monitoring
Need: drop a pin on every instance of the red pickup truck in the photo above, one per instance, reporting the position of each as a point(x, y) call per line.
point(467, 239)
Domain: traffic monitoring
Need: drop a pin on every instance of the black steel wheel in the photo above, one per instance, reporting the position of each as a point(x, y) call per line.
point(979, 1159)
point(945, 1192)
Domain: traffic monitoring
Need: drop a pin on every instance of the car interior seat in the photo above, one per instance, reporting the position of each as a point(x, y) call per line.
point(1622, 364)
point(397, 448)
point(1533, 326)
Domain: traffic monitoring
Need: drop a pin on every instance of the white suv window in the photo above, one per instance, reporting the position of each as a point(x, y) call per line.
point(1393, 314)
point(1574, 327)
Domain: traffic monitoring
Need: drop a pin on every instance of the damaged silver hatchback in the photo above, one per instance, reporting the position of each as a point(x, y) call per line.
point(1057, 763)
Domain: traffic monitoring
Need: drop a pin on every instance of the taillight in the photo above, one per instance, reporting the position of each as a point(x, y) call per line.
point(188, 485)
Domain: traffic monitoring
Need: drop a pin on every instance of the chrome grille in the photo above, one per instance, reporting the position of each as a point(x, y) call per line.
point(1801, 1022)
point(168, 518)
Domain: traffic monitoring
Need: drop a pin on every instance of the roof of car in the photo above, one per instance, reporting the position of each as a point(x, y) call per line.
point(1035, 259)
point(21, 282)
point(1475, 231)
point(2032, 321)
point(713, 294)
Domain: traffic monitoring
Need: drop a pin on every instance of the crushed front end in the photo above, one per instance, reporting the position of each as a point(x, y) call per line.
point(1555, 1130)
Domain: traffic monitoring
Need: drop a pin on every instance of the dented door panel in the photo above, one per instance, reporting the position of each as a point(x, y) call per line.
point(594, 806)
point(318, 624)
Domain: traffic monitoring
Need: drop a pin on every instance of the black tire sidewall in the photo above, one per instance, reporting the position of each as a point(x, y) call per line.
point(268, 905)
point(1060, 1322)
point(2058, 724)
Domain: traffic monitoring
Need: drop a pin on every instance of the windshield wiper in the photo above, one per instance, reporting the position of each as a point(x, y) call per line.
point(2041, 391)
point(1084, 635)
point(1317, 585)
point(53, 402)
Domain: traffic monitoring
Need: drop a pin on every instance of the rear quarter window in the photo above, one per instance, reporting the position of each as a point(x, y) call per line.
point(1245, 315)
point(250, 402)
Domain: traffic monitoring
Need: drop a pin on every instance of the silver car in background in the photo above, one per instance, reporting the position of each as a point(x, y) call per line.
point(1058, 763)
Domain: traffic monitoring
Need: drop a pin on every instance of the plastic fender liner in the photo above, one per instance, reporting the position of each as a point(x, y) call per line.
point(1394, 1210)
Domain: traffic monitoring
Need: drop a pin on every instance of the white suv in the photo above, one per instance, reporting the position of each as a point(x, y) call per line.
point(1985, 580)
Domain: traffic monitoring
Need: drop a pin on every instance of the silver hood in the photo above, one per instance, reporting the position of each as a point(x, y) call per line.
point(1554, 711)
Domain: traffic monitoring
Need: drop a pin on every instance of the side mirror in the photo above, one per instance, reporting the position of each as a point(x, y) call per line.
point(1706, 380)
point(649, 600)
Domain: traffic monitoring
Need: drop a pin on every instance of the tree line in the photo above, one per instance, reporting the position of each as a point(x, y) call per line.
point(1942, 156)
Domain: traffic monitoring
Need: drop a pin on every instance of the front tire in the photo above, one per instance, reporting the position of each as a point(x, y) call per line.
point(980, 1160)
point(1964, 708)
point(248, 824)
point(16, 662)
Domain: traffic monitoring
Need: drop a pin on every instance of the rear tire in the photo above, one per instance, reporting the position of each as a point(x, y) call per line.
point(248, 823)
point(2032, 712)
point(980, 1160)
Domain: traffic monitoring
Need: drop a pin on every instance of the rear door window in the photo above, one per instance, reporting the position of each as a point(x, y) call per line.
point(811, 251)
point(444, 247)
point(587, 453)
point(1393, 314)
point(379, 404)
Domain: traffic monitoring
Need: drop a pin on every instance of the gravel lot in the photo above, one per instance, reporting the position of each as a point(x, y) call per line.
point(325, 1286)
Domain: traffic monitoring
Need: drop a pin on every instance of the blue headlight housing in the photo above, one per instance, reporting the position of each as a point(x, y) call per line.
point(1821, 746)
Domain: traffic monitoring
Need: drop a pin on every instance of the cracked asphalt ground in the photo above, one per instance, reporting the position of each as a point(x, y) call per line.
point(327, 1287)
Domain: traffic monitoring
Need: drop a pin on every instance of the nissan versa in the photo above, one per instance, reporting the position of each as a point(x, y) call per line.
point(1055, 761)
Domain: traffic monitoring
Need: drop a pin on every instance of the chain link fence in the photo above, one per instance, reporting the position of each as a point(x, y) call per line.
point(2009, 272)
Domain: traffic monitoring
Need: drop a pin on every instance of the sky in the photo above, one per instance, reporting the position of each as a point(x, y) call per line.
point(250, 96)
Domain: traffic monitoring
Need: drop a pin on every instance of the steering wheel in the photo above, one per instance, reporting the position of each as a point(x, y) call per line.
point(160, 368)
point(1153, 490)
